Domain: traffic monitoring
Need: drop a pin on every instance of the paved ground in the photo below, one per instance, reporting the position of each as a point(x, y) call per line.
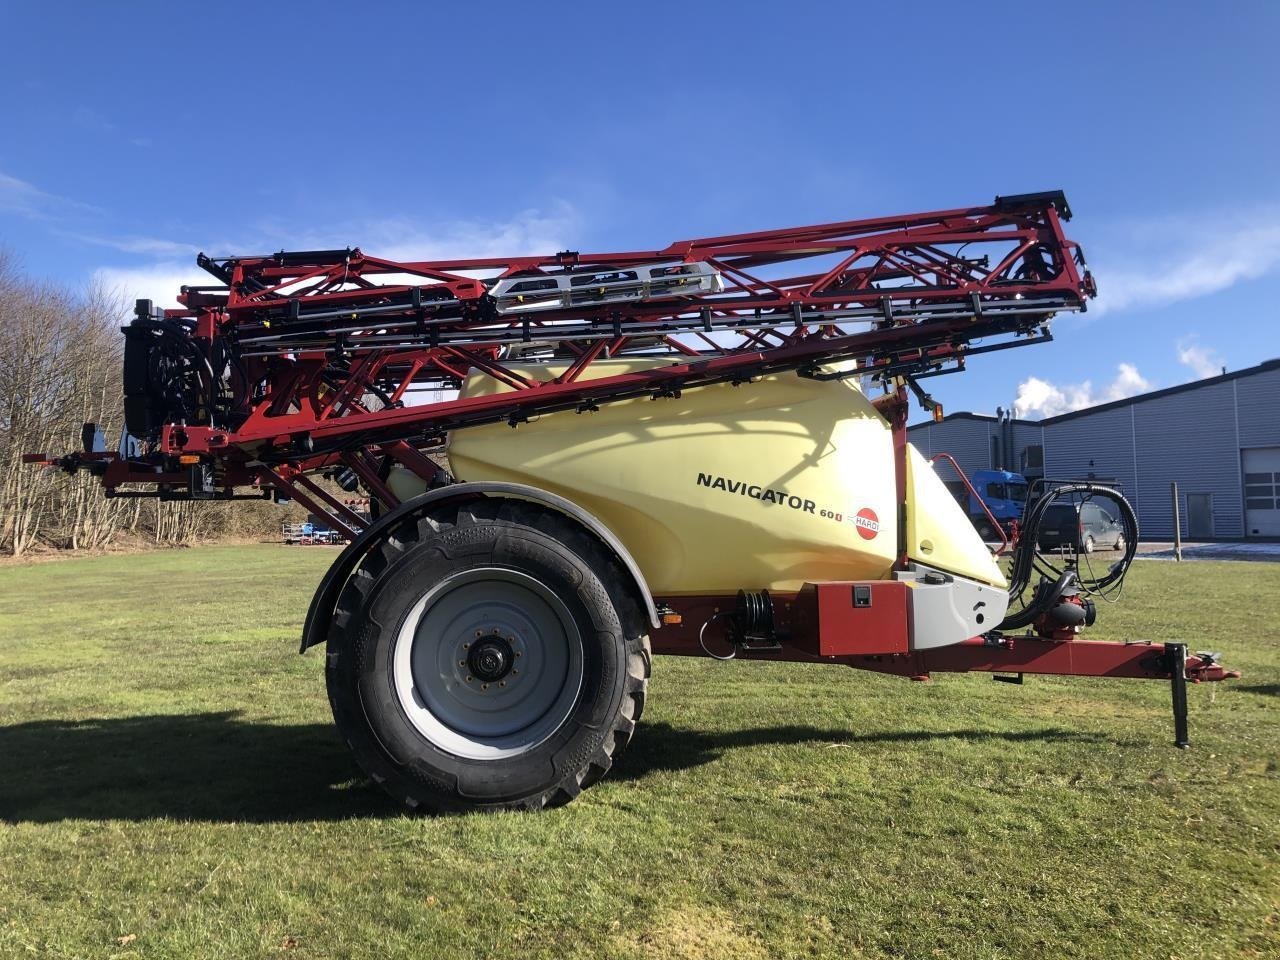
point(1266, 552)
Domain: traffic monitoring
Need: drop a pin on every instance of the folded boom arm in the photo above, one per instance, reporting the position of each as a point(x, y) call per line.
point(301, 362)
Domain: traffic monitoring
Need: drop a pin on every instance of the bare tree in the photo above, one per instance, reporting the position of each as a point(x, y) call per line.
point(60, 367)
point(91, 519)
point(35, 389)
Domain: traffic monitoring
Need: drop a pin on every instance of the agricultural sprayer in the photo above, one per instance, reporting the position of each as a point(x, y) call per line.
point(578, 460)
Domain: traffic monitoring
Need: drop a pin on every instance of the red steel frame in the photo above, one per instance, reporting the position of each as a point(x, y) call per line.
point(315, 335)
point(1029, 654)
point(905, 263)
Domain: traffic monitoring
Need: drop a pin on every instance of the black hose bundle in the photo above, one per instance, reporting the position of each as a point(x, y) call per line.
point(1056, 580)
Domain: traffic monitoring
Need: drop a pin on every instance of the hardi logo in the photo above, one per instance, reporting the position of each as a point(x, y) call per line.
point(867, 523)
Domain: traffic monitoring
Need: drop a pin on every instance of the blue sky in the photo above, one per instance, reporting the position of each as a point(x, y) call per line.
point(135, 134)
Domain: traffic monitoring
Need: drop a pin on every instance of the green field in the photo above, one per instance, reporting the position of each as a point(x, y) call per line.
point(169, 777)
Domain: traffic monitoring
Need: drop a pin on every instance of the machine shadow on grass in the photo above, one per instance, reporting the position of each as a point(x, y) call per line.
point(199, 767)
point(662, 747)
point(217, 767)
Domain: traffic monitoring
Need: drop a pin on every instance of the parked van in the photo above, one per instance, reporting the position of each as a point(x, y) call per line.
point(1081, 526)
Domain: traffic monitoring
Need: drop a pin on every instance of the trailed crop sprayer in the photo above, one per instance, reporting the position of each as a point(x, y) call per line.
point(578, 460)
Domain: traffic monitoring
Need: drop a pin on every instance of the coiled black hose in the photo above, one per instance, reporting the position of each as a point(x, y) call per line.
point(1055, 580)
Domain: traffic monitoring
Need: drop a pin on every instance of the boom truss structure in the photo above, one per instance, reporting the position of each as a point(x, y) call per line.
point(313, 361)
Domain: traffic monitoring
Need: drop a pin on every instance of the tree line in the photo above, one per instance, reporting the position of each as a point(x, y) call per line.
point(61, 353)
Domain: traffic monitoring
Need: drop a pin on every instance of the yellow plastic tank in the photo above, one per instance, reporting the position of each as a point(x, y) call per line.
point(761, 486)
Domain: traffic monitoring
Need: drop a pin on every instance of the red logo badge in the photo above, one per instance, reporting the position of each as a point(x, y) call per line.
point(866, 523)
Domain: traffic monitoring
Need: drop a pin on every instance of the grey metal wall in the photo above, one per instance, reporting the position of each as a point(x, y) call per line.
point(1194, 436)
point(1258, 401)
point(1189, 437)
point(1094, 447)
point(968, 440)
point(1025, 435)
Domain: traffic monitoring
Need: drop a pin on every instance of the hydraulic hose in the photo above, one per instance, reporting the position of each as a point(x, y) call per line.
point(1055, 580)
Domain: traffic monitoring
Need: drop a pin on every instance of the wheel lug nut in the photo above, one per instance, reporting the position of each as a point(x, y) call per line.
point(517, 653)
point(484, 686)
point(502, 683)
point(462, 663)
point(468, 679)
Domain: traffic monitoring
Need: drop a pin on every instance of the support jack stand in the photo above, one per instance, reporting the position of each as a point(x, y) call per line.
point(1176, 657)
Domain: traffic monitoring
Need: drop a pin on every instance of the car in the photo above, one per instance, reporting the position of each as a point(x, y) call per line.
point(1080, 526)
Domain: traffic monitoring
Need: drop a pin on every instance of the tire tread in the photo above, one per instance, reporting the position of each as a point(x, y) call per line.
point(349, 636)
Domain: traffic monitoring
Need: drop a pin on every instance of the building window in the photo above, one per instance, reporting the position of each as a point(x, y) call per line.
point(1261, 491)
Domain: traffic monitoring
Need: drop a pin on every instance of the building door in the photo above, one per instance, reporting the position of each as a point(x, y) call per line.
point(1199, 515)
point(1261, 491)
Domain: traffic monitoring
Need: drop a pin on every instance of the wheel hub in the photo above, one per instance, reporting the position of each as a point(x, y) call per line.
point(490, 658)
point(488, 663)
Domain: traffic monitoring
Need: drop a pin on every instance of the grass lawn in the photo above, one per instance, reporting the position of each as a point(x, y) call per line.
point(171, 786)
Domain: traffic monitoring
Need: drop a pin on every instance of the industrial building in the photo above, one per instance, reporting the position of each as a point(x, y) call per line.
point(1218, 438)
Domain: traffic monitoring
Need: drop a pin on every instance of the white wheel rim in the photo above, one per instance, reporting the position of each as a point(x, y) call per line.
point(488, 664)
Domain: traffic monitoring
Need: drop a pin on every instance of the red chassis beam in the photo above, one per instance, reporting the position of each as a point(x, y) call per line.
point(686, 620)
point(1145, 660)
point(685, 617)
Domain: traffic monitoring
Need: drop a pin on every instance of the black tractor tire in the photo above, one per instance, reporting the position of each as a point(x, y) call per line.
point(487, 560)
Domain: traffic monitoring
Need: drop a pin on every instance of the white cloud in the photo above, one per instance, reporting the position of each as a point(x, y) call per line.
point(530, 232)
point(1041, 398)
point(159, 282)
point(1153, 272)
point(132, 243)
point(29, 201)
point(405, 239)
point(1202, 361)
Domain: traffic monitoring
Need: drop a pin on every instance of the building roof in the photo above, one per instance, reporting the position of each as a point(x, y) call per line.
point(1114, 404)
point(982, 417)
point(1167, 391)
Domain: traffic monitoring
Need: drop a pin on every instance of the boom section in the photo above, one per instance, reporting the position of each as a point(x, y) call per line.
point(301, 359)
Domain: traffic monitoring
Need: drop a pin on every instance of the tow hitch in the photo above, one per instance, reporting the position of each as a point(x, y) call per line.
point(1198, 668)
